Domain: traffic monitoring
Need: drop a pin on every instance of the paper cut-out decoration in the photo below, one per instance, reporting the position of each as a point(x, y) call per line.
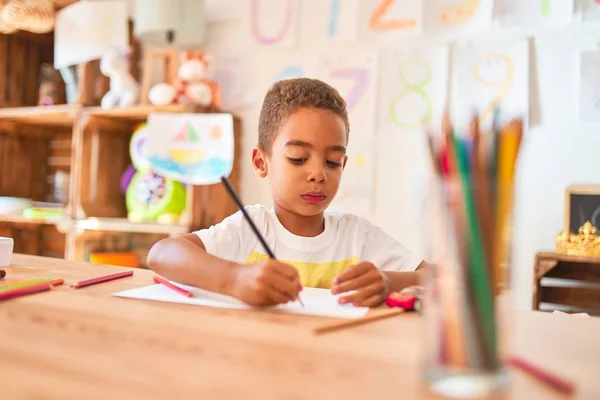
point(386, 21)
point(458, 16)
point(357, 189)
point(589, 87)
point(354, 75)
point(413, 89)
point(86, 30)
point(273, 22)
point(191, 148)
point(491, 78)
point(535, 13)
point(591, 10)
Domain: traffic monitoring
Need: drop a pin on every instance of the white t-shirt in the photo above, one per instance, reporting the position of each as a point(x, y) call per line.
point(346, 240)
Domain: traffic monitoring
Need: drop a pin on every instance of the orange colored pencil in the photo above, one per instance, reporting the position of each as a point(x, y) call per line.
point(168, 284)
point(101, 279)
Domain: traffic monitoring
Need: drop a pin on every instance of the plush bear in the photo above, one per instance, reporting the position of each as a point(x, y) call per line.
point(192, 85)
point(124, 90)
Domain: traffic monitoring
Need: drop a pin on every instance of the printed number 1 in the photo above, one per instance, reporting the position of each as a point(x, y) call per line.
point(377, 24)
point(335, 8)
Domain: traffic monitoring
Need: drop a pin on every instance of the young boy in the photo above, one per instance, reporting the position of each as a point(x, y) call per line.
point(303, 134)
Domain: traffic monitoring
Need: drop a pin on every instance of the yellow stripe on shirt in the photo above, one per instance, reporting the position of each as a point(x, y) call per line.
point(318, 275)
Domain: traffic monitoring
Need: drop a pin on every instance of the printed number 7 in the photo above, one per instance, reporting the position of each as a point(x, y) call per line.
point(361, 77)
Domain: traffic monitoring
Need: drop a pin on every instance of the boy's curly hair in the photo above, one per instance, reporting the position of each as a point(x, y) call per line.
point(288, 96)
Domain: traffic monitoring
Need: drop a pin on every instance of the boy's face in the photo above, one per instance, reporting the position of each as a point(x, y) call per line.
point(306, 161)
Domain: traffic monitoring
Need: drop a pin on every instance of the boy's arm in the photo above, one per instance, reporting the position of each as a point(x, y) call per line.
point(184, 259)
point(398, 280)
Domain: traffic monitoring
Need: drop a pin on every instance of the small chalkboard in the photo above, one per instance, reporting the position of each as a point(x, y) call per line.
point(582, 203)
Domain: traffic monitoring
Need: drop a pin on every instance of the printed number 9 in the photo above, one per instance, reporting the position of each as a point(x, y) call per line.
point(486, 72)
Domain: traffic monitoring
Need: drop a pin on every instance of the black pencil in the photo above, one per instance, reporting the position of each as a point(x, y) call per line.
point(260, 237)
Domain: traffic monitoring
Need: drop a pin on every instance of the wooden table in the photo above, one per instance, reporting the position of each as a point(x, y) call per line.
point(86, 344)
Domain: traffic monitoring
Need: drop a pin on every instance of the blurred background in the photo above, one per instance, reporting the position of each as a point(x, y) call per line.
point(68, 159)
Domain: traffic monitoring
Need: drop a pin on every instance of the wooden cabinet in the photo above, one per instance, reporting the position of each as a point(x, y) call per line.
point(565, 282)
point(91, 145)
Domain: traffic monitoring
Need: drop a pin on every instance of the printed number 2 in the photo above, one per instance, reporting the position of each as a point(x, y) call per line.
point(361, 77)
point(377, 24)
point(285, 25)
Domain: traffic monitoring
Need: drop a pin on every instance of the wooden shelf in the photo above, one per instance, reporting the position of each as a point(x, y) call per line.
point(124, 225)
point(62, 223)
point(51, 116)
point(136, 113)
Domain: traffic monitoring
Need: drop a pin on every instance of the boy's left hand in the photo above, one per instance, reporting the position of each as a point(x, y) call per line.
point(366, 280)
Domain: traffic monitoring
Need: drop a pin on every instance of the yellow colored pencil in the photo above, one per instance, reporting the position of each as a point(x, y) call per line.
point(510, 141)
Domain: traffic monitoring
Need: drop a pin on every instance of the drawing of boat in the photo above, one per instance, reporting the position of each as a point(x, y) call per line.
point(186, 156)
point(186, 152)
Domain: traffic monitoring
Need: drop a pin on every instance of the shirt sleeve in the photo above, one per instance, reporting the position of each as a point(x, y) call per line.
point(231, 239)
point(385, 252)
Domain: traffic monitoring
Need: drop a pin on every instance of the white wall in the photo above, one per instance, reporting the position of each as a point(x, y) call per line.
point(557, 150)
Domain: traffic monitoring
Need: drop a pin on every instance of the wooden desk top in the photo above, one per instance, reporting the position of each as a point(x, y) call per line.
point(85, 343)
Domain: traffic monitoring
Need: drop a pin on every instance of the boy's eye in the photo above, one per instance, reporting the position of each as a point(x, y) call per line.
point(334, 163)
point(297, 161)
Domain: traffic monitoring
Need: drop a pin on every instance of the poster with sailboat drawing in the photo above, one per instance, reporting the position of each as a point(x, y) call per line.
point(190, 148)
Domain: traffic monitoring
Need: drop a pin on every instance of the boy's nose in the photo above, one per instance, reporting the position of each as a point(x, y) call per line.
point(317, 175)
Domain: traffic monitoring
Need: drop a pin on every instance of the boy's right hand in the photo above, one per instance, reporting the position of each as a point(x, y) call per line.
point(266, 283)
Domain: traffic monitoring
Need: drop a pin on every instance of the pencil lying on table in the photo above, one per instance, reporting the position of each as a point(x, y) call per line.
point(176, 288)
point(10, 294)
point(101, 279)
point(549, 379)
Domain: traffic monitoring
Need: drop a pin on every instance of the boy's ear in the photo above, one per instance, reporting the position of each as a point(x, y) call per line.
point(259, 161)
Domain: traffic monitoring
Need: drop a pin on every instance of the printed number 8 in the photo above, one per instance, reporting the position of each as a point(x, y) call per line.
point(416, 88)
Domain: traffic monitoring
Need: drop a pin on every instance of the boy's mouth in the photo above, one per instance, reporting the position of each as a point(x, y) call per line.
point(314, 197)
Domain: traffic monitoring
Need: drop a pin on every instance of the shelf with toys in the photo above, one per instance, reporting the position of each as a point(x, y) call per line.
point(83, 166)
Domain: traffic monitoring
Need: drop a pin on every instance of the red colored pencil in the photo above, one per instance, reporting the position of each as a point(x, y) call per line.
point(554, 381)
point(9, 294)
point(101, 279)
point(168, 284)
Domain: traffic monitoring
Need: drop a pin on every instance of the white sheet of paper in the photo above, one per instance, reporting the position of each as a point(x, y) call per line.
point(190, 148)
point(319, 302)
point(233, 73)
point(591, 10)
point(86, 30)
point(458, 16)
point(273, 23)
point(222, 10)
point(491, 76)
point(534, 13)
point(356, 194)
point(589, 87)
point(354, 75)
point(413, 88)
point(386, 22)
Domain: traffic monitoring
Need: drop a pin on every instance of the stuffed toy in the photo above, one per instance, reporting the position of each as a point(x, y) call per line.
point(37, 16)
point(124, 90)
point(192, 85)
